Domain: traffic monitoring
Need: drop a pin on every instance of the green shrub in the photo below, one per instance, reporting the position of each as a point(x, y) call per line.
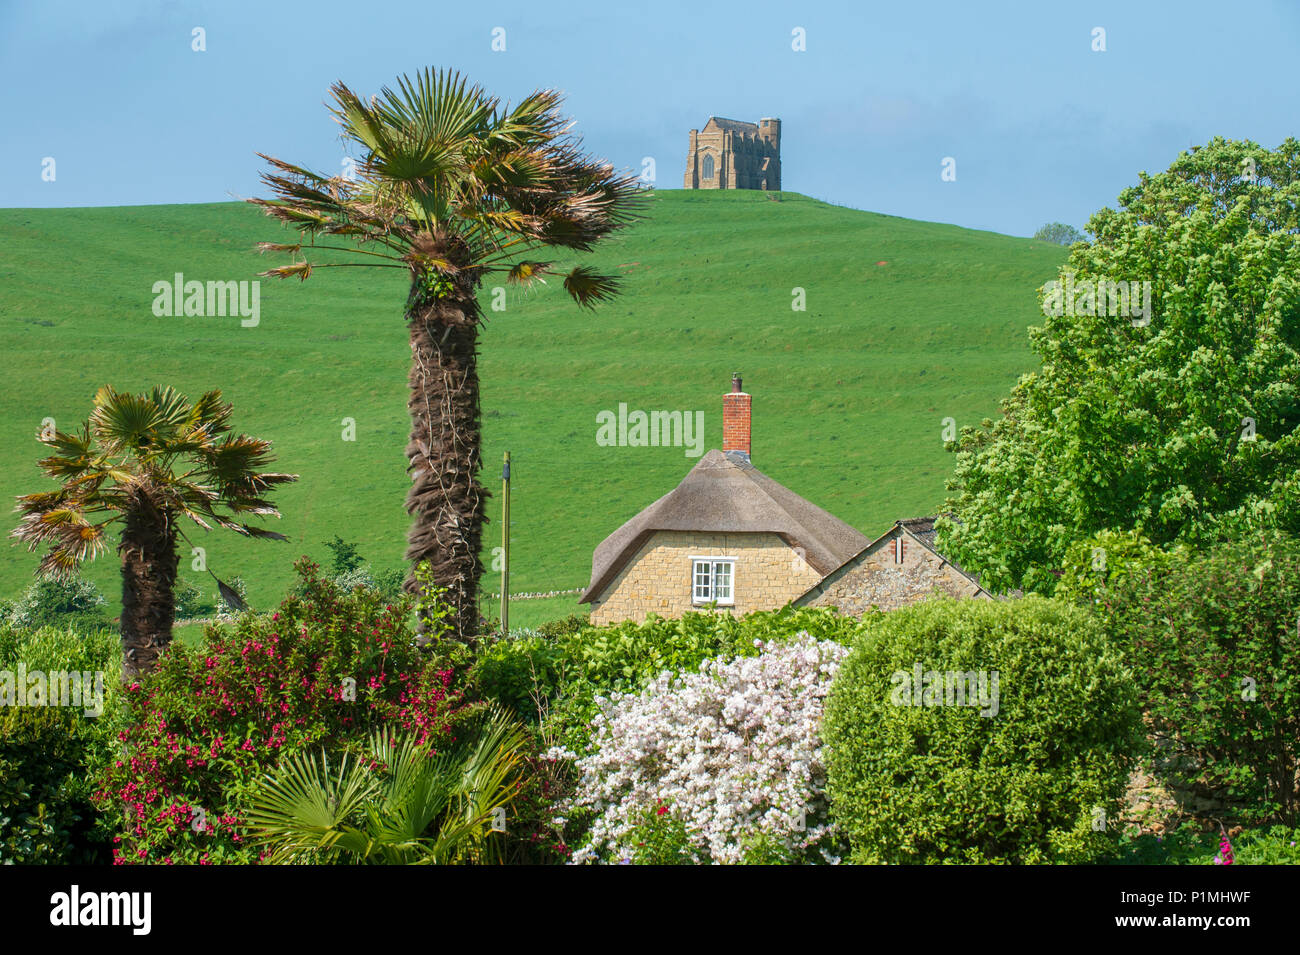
point(1032, 781)
point(1276, 845)
point(564, 627)
point(50, 755)
point(519, 673)
point(61, 602)
point(191, 603)
point(661, 838)
point(344, 557)
point(349, 570)
point(1214, 641)
point(389, 583)
point(354, 578)
point(765, 848)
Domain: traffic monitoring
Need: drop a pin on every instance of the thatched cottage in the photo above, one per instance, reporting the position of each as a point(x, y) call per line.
point(729, 536)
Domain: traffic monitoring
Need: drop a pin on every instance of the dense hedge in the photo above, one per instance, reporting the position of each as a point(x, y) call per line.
point(49, 755)
point(565, 674)
point(1213, 638)
point(1038, 779)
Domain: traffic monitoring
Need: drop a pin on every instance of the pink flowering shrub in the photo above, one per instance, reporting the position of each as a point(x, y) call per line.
point(323, 670)
point(734, 748)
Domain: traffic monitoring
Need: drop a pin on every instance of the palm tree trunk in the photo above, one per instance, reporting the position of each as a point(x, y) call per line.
point(149, 561)
point(446, 500)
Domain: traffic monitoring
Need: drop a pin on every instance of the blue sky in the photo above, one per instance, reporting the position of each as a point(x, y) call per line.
point(1041, 127)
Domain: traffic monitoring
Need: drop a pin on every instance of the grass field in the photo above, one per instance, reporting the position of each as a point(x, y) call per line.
point(906, 323)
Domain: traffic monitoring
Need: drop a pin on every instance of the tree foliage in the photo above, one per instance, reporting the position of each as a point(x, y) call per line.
point(1179, 422)
point(1059, 233)
point(154, 451)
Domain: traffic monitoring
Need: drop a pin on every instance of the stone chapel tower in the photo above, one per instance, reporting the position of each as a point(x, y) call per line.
point(729, 154)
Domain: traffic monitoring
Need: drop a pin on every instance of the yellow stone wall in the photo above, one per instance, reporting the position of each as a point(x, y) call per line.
point(880, 582)
point(657, 579)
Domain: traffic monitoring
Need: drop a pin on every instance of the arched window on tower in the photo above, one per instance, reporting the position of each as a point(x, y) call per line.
point(708, 166)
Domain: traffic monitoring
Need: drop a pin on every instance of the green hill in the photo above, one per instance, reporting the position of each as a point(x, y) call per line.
point(907, 323)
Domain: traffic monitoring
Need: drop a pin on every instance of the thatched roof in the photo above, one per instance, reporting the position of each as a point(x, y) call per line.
point(724, 493)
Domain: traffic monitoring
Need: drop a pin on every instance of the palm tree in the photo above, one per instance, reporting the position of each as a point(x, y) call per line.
point(146, 461)
point(451, 186)
point(395, 804)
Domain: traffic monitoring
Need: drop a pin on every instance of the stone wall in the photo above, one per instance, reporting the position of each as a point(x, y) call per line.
point(657, 579)
point(877, 579)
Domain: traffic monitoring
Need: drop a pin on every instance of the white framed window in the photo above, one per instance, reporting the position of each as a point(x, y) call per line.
point(713, 580)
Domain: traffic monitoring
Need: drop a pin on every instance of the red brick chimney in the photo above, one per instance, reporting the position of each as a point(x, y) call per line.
point(735, 419)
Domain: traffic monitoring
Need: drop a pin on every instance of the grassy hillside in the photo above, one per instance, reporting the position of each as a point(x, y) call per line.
point(906, 323)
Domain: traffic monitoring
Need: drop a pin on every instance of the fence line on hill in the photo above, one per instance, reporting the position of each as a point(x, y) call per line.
point(536, 595)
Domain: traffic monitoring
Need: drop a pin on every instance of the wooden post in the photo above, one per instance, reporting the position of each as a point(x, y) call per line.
point(505, 546)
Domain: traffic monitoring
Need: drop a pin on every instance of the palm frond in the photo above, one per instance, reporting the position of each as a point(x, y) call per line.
point(303, 807)
point(413, 808)
point(298, 270)
point(588, 287)
point(452, 182)
point(231, 596)
point(526, 272)
point(125, 422)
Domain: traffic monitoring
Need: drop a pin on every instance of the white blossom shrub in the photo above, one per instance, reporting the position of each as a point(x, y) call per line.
point(734, 751)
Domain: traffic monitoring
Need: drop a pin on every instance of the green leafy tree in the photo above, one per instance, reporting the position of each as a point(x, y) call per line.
point(145, 462)
point(1104, 560)
point(344, 557)
point(1173, 413)
point(451, 187)
point(1059, 233)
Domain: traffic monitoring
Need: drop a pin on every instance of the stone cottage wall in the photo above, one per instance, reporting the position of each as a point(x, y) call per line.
point(880, 581)
point(768, 574)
